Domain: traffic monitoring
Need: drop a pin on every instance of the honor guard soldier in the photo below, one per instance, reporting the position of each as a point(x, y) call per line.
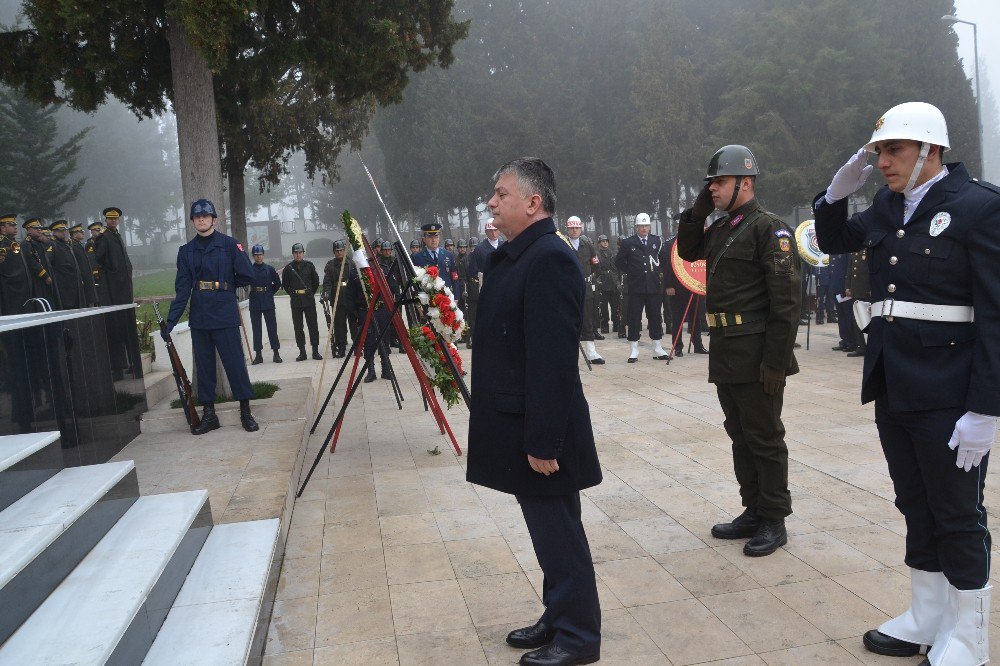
point(37, 253)
point(100, 287)
point(116, 267)
point(449, 245)
point(415, 247)
point(932, 243)
point(753, 301)
point(394, 278)
point(479, 264)
point(83, 263)
point(65, 271)
point(209, 269)
point(15, 277)
point(462, 267)
point(607, 285)
point(262, 288)
point(431, 255)
point(638, 258)
point(343, 313)
point(357, 301)
point(300, 281)
point(586, 254)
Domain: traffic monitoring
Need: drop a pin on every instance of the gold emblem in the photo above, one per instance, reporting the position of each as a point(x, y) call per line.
point(15, 247)
point(784, 245)
point(879, 123)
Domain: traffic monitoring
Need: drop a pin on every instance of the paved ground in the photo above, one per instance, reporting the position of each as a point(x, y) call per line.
point(393, 558)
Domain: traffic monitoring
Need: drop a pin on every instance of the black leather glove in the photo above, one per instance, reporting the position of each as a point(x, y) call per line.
point(165, 331)
point(703, 205)
point(772, 379)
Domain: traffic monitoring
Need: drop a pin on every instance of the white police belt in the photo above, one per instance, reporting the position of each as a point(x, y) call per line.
point(890, 308)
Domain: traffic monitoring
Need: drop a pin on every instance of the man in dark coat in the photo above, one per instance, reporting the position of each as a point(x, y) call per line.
point(529, 426)
point(265, 283)
point(37, 252)
point(15, 279)
point(839, 265)
point(300, 281)
point(638, 259)
point(100, 284)
point(932, 366)
point(116, 267)
point(83, 262)
point(65, 270)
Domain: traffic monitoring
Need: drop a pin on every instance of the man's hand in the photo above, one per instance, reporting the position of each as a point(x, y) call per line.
point(772, 379)
point(973, 437)
point(165, 332)
point(545, 467)
point(703, 205)
point(669, 291)
point(850, 177)
point(847, 293)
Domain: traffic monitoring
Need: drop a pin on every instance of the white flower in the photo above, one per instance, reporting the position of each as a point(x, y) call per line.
point(419, 272)
point(423, 298)
point(438, 284)
point(459, 316)
point(434, 314)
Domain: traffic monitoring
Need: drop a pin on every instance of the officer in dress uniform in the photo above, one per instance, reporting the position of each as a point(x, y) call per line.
point(83, 263)
point(638, 258)
point(15, 277)
point(753, 300)
point(116, 267)
point(462, 267)
point(300, 281)
point(265, 283)
point(344, 313)
point(100, 286)
point(607, 286)
point(586, 254)
point(391, 270)
point(932, 240)
point(479, 264)
point(431, 255)
point(37, 254)
point(209, 269)
point(65, 271)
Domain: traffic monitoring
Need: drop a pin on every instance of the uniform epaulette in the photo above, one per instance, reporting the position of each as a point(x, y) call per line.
point(988, 185)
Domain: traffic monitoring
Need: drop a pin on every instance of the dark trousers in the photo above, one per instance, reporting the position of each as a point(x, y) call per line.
point(942, 504)
point(760, 457)
point(381, 321)
point(271, 321)
point(825, 302)
point(608, 310)
point(695, 307)
point(339, 341)
point(309, 312)
point(652, 304)
point(227, 341)
point(569, 589)
point(589, 324)
point(470, 314)
point(845, 323)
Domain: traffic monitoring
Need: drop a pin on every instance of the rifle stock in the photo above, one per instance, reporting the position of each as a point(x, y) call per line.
point(180, 376)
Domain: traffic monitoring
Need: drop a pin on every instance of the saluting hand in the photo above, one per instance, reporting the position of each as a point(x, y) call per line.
point(703, 205)
point(850, 177)
point(545, 467)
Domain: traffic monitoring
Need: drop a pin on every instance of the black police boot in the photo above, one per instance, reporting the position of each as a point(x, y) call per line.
point(700, 349)
point(742, 526)
point(257, 360)
point(209, 421)
point(246, 418)
point(598, 336)
point(302, 354)
point(277, 356)
point(770, 537)
point(385, 371)
point(316, 355)
point(535, 636)
point(553, 655)
point(370, 377)
point(879, 643)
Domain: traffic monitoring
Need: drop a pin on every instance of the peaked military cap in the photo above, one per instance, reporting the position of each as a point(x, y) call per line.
point(59, 225)
point(431, 228)
point(75, 228)
point(33, 223)
point(112, 213)
point(9, 217)
point(95, 226)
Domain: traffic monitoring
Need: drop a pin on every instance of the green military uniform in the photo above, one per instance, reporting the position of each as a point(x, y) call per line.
point(608, 285)
point(586, 254)
point(753, 304)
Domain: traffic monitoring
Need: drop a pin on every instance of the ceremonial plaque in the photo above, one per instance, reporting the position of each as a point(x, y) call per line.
point(805, 237)
point(691, 274)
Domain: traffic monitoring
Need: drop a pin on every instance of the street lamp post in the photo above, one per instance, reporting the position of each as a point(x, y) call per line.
point(951, 19)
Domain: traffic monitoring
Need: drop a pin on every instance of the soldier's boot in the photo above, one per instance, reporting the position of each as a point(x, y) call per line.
point(633, 355)
point(370, 377)
point(912, 632)
point(209, 420)
point(385, 374)
point(302, 354)
point(341, 351)
point(257, 360)
point(246, 418)
point(598, 336)
point(770, 537)
point(742, 526)
point(316, 355)
point(590, 351)
point(277, 356)
point(659, 353)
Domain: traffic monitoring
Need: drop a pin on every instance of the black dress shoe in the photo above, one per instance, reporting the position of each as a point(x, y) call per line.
point(529, 638)
point(621, 334)
point(553, 655)
point(856, 353)
point(277, 357)
point(700, 350)
point(302, 354)
point(770, 537)
point(246, 418)
point(597, 361)
point(633, 360)
point(598, 336)
point(679, 353)
point(841, 348)
point(879, 643)
point(742, 526)
point(370, 377)
point(316, 355)
point(209, 421)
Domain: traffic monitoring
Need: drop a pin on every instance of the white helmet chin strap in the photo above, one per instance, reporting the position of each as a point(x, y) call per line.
point(918, 167)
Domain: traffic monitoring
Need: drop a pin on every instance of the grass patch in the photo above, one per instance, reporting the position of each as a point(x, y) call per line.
point(261, 391)
point(160, 283)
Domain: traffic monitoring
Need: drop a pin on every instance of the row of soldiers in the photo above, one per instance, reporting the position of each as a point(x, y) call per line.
point(53, 264)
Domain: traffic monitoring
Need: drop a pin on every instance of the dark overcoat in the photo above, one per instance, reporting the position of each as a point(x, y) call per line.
point(116, 267)
point(526, 392)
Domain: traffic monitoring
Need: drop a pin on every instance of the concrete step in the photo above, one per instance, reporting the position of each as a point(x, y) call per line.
point(26, 461)
point(218, 611)
point(109, 609)
point(46, 533)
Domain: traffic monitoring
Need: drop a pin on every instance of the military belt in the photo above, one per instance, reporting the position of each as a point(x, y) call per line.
point(299, 292)
point(262, 289)
point(213, 286)
point(722, 319)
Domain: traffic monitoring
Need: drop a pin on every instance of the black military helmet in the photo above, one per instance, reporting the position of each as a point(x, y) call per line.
point(386, 245)
point(298, 248)
point(378, 241)
point(602, 238)
point(414, 243)
point(732, 160)
point(338, 245)
point(473, 241)
point(463, 243)
point(448, 241)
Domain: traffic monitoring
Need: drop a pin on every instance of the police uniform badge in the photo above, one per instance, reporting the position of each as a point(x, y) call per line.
point(784, 245)
point(939, 223)
point(879, 123)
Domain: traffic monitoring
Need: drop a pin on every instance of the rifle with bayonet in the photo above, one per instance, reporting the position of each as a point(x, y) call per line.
point(180, 376)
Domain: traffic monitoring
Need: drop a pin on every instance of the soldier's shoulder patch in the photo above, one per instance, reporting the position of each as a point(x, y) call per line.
point(783, 233)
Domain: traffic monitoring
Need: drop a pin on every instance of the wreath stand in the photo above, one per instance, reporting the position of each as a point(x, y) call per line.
point(694, 300)
point(382, 294)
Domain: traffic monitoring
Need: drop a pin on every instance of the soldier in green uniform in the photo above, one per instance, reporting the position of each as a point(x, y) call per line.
point(100, 287)
point(15, 278)
point(36, 249)
point(608, 279)
point(753, 304)
point(343, 313)
point(65, 270)
point(586, 254)
point(300, 281)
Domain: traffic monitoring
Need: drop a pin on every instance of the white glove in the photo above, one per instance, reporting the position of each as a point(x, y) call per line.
point(973, 436)
point(850, 177)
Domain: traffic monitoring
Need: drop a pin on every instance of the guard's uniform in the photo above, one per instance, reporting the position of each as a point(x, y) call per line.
point(300, 281)
point(923, 374)
point(586, 254)
point(859, 282)
point(343, 313)
point(15, 280)
point(753, 300)
point(100, 286)
point(264, 282)
point(608, 279)
point(209, 269)
point(639, 260)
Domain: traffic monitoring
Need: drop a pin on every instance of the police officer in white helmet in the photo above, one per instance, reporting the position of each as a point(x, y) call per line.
point(932, 366)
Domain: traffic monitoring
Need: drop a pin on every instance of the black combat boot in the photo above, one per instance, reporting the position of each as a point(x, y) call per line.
point(598, 336)
point(370, 377)
point(257, 360)
point(246, 418)
point(770, 537)
point(700, 349)
point(316, 355)
point(385, 370)
point(742, 526)
point(277, 356)
point(302, 354)
point(209, 421)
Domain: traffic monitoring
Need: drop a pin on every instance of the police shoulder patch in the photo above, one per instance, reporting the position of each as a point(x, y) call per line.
point(785, 245)
point(783, 233)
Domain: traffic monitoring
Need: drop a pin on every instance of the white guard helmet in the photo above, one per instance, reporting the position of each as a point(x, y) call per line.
point(912, 121)
point(642, 218)
point(574, 222)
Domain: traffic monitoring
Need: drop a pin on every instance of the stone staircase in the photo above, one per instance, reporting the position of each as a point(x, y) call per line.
point(92, 573)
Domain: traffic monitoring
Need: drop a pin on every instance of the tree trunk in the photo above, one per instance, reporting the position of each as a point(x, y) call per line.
point(238, 205)
point(197, 140)
point(474, 219)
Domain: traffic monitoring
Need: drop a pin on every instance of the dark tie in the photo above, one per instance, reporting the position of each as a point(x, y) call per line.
point(434, 256)
point(644, 242)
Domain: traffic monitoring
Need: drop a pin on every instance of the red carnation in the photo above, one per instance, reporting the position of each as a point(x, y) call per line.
point(426, 330)
point(432, 271)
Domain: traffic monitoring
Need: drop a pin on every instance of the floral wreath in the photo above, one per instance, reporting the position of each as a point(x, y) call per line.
point(447, 324)
point(353, 231)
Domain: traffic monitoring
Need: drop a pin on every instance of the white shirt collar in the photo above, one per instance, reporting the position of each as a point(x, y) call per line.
point(494, 243)
point(575, 242)
point(912, 199)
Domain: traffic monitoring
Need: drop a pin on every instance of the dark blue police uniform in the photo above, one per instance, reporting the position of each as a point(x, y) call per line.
point(447, 268)
point(839, 264)
point(209, 269)
point(924, 375)
point(265, 283)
